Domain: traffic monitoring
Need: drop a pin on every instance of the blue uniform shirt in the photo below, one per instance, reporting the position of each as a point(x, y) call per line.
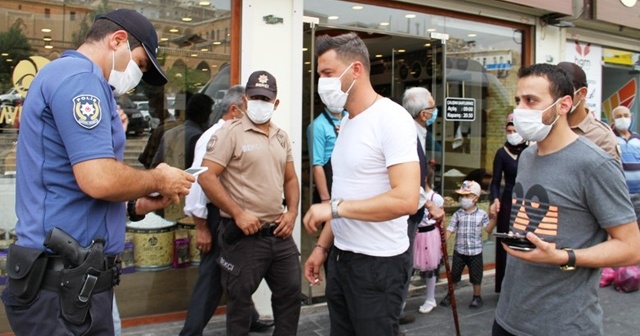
point(69, 116)
point(324, 138)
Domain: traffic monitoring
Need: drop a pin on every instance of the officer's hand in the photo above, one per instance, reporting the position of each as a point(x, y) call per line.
point(172, 182)
point(248, 223)
point(286, 223)
point(144, 205)
point(203, 235)
point(313, 265)
point(316, 215)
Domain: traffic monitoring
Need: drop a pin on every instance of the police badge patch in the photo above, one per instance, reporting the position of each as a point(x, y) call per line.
point(86, 111)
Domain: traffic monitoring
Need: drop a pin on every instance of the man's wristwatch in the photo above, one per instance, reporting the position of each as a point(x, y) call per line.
point(571, 264)
point(334, 207)
point(131, 211)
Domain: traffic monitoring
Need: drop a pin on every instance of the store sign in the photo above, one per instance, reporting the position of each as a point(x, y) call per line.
point(618, 12)
point(460, 109)
point(588, 57)
point(619, 57)
point(564, 6)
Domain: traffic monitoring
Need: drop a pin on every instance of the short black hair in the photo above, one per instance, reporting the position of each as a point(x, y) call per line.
point(103, 27)
point(560, 84)
point(199, 108)
point(349, 48)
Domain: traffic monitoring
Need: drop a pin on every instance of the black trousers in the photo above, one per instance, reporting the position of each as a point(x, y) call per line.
point(208, 289)
point(43, 316)
point(365, 293)
point(251, 259)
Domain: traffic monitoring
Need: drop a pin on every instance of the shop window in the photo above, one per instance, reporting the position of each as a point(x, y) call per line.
point(72, 16)
point(47, 13)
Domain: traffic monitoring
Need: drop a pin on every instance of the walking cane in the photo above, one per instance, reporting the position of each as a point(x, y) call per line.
point(452, 298)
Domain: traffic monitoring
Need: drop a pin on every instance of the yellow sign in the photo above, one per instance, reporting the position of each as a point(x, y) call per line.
point(25, 71)
point(614, 56)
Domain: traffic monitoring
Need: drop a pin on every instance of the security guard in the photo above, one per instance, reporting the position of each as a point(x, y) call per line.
point(70, 176)
point(250, 168)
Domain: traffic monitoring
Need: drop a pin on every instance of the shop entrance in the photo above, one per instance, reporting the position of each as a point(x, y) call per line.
point(398, 62)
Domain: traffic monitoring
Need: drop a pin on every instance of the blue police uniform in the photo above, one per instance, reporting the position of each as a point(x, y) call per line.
point(70, 116)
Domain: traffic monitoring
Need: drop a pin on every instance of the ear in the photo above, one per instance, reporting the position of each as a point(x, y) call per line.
point(358, 69)
point(117, 38)
point(276, 103)
point(564, 105)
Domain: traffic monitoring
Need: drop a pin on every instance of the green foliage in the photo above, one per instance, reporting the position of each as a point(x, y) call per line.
point(16, 45)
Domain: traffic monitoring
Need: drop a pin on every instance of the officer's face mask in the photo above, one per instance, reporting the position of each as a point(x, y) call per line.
point(330, 92)
point(123, 81)
point(259, 111)
point(574, 107)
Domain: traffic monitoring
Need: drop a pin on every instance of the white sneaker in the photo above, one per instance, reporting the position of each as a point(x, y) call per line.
point(427, 307)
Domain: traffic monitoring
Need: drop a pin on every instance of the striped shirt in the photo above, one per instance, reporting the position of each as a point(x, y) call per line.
point(630, 155)
point(468, 229)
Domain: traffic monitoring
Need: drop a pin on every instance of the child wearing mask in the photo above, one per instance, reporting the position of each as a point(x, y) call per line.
point(467, 223)
point(427, 246)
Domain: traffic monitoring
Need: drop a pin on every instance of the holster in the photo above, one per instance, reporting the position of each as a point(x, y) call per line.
point(232, 232)
point(25, 268)
point(78, 284)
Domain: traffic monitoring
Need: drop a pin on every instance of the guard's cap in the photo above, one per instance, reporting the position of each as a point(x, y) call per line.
point(261, 83)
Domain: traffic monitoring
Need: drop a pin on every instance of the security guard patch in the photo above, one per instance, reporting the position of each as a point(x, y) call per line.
point(86, 111)
point(211, 143)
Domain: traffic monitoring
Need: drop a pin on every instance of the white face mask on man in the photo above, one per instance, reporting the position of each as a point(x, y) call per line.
point(259, 111)
point(622, 124)
point(529, 123)
point(330, 92)
point(123, 81)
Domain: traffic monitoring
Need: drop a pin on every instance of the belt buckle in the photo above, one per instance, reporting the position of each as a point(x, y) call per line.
point(267, 230)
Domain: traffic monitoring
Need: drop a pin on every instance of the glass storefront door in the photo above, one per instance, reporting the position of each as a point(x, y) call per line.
point(398, 62)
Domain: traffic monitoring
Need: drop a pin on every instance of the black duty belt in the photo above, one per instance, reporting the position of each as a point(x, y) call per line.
point(266, 230)
point(104, 281)
point(426, 228)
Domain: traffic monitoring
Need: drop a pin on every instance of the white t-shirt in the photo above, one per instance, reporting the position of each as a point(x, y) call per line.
point(381, 136)
point(195, 203)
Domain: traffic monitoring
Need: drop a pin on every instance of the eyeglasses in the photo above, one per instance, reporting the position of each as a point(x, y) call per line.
point(429, 108)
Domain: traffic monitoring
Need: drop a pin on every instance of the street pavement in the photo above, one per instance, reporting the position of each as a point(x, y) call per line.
point(621, 311)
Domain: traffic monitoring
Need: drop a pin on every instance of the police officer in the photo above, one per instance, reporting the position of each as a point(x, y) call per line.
point(70, 176)
point(250, 168)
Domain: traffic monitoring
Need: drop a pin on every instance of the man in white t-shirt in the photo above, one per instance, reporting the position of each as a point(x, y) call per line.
point(376, 174)
point(208, 289)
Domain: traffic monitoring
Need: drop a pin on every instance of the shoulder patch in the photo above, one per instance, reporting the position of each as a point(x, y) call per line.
point(211, 143)
point(282, 140)
point(87, 111)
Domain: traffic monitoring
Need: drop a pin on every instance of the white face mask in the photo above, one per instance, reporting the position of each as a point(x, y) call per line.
point(574, 107)
point(529, 123)
point(259, 111)
point(123, 81)
point(514, 138)
point(622, 124)
point(466, 203)
point(330, 91)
